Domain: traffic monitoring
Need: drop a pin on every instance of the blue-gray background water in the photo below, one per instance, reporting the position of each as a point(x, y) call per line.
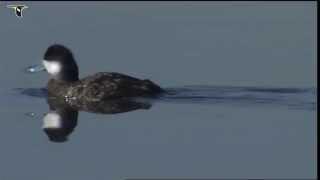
point(241, 77)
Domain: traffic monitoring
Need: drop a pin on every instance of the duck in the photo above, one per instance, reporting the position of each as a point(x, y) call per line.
point(64, 80)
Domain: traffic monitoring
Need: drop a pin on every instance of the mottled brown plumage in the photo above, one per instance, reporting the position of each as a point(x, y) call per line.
point(103, 86)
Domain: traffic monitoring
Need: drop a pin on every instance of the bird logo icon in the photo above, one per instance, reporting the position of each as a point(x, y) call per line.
point(18, 9)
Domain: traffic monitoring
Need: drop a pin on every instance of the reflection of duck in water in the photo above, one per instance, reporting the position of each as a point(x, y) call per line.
point(60, 122)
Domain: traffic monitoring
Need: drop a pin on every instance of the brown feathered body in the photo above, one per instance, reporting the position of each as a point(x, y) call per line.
point(103, 86)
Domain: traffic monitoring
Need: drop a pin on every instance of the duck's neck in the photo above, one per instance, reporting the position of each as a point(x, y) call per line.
point(58, 88)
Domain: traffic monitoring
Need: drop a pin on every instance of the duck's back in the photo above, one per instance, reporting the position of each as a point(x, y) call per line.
point(104, 85)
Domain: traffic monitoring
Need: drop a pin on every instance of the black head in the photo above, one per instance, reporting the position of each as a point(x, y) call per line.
point(60, 64)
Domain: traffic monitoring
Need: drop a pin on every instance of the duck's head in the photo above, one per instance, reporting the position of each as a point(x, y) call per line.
point(60, 64)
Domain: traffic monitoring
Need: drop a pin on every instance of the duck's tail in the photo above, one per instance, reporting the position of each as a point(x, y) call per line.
point(152, 87)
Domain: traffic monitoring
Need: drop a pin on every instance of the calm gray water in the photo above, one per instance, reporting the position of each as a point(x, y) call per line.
point(241, 81)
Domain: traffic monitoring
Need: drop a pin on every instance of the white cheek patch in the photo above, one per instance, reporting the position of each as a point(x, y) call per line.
point(52, 67)
point(52, 120)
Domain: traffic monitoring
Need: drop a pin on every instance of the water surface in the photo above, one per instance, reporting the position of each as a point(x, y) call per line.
point(240, 78)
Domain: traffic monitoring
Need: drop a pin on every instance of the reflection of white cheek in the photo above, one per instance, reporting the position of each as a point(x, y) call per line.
point(52, 67)
point(52, 120)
